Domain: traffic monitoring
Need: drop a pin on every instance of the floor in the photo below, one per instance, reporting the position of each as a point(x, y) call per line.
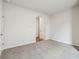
point(48, 49)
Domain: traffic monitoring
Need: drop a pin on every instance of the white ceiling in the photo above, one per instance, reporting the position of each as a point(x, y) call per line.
point(45, 6)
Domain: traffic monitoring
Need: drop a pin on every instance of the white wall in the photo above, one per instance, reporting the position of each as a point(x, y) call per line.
point(21, 25)
point(65, 26)
point(75, 27)
point(61, 29)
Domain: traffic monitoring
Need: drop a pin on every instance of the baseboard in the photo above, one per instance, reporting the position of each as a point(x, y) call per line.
point(62, 42)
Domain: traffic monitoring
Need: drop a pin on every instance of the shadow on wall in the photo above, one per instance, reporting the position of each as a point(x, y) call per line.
point(75, 26)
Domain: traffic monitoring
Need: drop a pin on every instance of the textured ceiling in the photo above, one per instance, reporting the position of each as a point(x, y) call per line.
point(45, 6)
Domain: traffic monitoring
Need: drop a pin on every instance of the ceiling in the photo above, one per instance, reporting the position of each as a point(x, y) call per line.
point(45, 6)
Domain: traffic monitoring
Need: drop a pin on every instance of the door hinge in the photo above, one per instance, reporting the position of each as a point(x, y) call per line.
point(2, 43)
point(1, 34)
point(2, 16)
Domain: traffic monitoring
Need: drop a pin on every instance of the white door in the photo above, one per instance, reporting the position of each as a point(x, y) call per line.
point(0, 22)
point(0, 31)
point(0, 34)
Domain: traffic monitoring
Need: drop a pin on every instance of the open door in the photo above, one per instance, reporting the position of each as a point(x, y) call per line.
point(0, 29)
point(40, 28)
point(0, 24)
point(0, 35)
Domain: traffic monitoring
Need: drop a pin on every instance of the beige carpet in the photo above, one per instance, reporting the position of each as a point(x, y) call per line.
point(48, 49)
